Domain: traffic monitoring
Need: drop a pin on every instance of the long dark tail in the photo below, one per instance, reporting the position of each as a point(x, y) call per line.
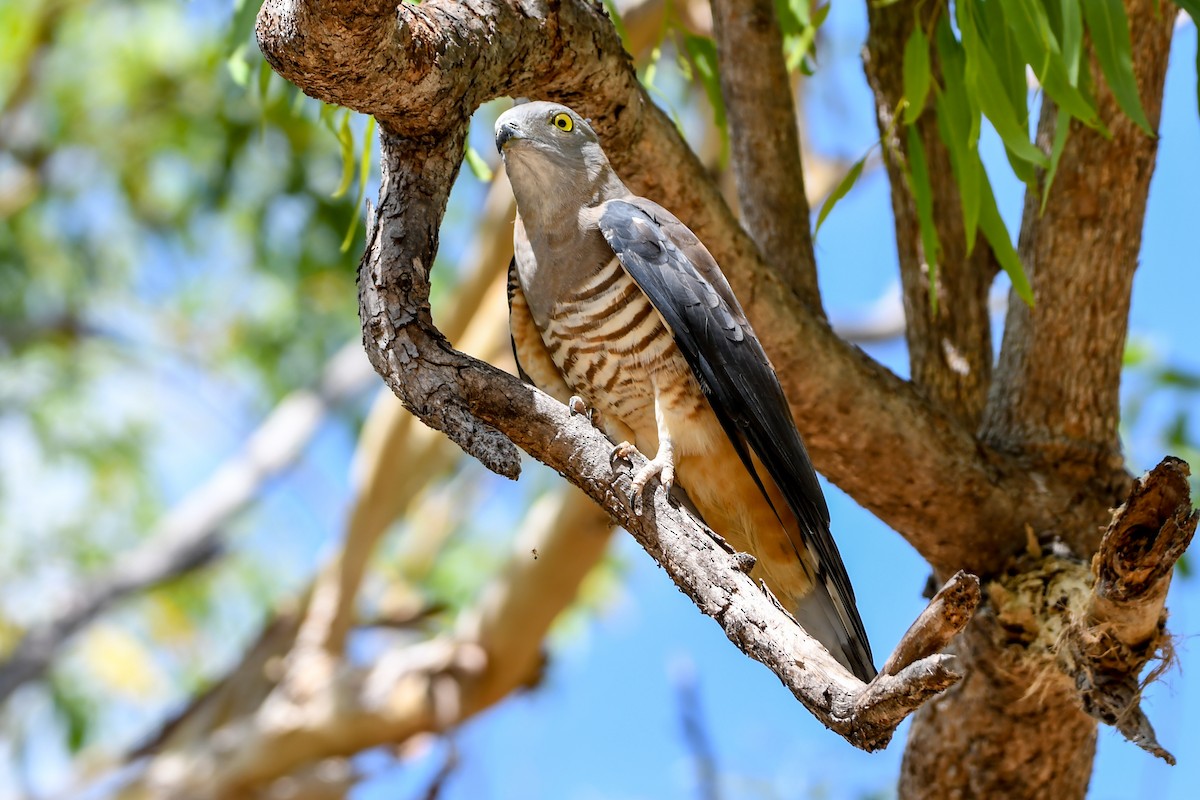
point(825, 618)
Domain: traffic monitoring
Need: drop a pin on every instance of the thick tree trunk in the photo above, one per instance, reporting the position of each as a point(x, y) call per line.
point(1008, 729)
point(971, 484)
point(1015, 727)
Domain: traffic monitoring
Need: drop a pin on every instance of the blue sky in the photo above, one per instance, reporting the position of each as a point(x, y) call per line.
point(607, 723)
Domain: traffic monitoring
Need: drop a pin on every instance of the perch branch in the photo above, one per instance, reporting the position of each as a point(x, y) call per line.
point(439, 60)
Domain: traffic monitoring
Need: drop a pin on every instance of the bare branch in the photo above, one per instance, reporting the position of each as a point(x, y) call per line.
point(424, 688)
point(1081, 259)
point(944, 618)
point(851, 410)
point(950, 351)
point(764, 141)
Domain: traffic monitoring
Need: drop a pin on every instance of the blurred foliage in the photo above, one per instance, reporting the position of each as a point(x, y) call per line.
point(178, 241)
point(169, 250)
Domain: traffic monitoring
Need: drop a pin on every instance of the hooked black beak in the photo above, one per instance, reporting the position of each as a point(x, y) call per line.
point(507, 131)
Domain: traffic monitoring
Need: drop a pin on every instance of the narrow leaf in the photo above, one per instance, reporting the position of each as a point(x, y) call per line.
point(364, 173)
point(242, 24)
point(346, 141)
point(1071, 38)
point(998, 37)
point(703, 52)
point(954, 67)
point(996, 232)
point(984, 78)
point(1040, 48)
point(1062, 127)
point(1109, 26)
point(918, 182)
point(479, 167)
point(954, 122)
point(264, 81)
point(841, 190)
point(916, 74)
point(239, 68)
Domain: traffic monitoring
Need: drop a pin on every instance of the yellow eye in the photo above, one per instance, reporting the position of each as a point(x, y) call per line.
point(563, 122)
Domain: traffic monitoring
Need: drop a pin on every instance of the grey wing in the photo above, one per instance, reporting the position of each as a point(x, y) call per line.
point(735, 375)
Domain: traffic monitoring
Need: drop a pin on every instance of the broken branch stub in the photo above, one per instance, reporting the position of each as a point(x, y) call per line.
point(1124, 624)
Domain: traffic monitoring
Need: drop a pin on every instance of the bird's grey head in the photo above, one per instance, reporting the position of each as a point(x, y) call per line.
point(548, 149)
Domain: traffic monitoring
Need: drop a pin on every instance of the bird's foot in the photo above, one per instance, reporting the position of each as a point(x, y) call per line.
point(662, 466)
point(579, 406)
point(622, 452)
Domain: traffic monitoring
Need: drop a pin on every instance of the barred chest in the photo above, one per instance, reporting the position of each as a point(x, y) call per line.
point(611, 345)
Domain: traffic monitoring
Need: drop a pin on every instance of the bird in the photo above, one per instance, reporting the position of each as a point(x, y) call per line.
point(617, 307)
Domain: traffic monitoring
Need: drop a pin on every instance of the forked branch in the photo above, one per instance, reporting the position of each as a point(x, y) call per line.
point(485, 410)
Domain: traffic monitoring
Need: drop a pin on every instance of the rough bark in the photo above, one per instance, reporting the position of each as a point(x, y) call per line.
point(908, 454)
point(950, 351)
point(852, 411)
point(764, 141)
point(1080, 255)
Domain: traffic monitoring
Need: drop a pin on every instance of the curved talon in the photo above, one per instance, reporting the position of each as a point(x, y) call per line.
point(662, 466)
point(577, 405)
point(621, 452)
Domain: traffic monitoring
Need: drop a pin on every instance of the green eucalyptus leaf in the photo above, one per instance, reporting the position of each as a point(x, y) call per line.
point(479, 167)
point(916, 74)
point(346, 142)
point(364, 172)
point(841, 190)
point(954, 124)
point(996, 232)
point(983, 79)
point(1040, 48)
point(1062, 128)
point(1109, 27)
point(703, 52)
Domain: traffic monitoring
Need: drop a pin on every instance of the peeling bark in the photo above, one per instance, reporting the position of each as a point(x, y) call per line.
point(1016, 725)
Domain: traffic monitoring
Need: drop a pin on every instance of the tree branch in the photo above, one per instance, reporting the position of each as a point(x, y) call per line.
point(474, 402)
point(423, 688)
point(852, 411)
point(1080, 259)
point(950, 351)
point(764, 140)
